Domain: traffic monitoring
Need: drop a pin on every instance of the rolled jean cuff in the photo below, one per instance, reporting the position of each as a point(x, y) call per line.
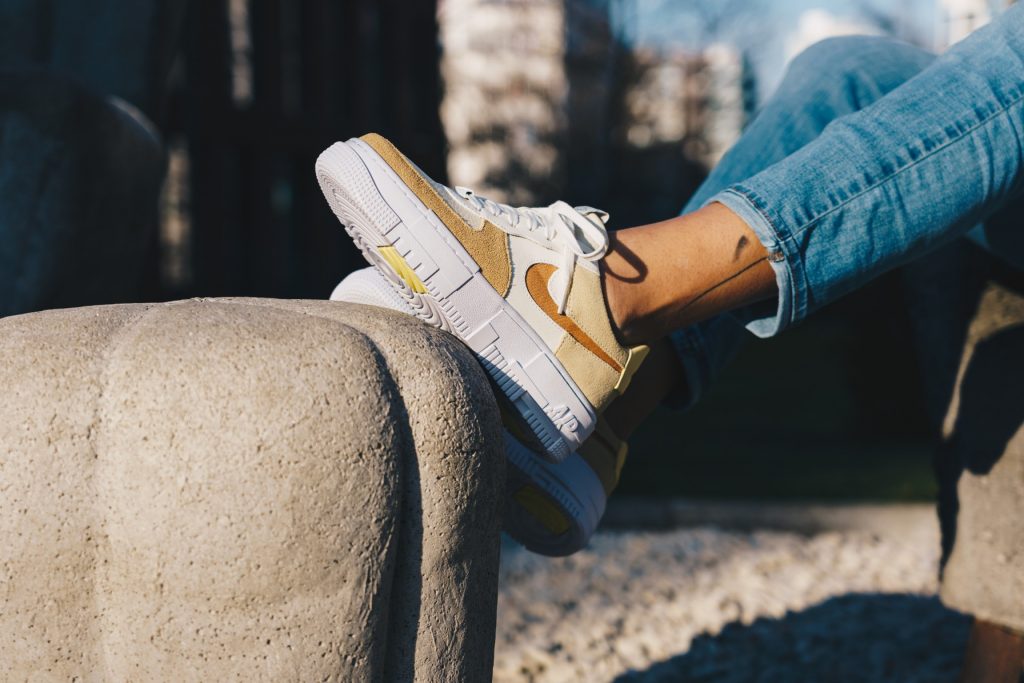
point(767, 320)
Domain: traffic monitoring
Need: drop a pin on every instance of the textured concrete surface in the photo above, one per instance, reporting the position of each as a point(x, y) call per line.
point(244, 490)
point(709, 604)
point(984, 441)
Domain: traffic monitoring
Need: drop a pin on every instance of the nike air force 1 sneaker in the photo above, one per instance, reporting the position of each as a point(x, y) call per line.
point(520, 286)
point(551, 509)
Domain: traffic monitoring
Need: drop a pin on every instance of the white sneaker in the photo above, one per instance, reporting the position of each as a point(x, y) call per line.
point(520, 286)
point(552, 509)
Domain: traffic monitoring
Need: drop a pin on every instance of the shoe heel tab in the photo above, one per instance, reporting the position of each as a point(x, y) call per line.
point(634, 360)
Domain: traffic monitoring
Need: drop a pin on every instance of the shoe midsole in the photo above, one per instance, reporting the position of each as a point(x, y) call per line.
point(572, 485)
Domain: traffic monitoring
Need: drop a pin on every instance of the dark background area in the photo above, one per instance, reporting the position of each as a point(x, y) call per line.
point(244, 94)
point(253, 114)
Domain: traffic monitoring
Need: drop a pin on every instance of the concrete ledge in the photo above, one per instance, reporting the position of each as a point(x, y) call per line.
point(245, 490)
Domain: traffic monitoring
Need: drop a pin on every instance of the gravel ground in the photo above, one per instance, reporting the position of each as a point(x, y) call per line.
point(712, 605)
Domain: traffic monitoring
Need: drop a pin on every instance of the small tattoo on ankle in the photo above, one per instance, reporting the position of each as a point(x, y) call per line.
point(740, 246)
point(727, 280)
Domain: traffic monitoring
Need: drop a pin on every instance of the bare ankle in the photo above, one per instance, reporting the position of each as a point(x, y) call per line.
point(621, 311)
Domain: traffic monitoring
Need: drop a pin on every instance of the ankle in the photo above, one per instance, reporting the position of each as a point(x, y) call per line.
point(995, 654)
point(622, 311)
point(621, 273)
point(668, 275)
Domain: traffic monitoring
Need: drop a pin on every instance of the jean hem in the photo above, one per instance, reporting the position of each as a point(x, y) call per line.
point(782, 255)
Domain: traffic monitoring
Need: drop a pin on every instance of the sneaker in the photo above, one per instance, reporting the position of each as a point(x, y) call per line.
point(520, 286)
point(551, 509)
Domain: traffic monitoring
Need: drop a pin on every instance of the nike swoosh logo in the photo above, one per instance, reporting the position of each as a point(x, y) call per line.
point(537, 277)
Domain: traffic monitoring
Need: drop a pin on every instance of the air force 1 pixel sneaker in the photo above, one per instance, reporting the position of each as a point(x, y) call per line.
point(520, 286)
point(551, 509)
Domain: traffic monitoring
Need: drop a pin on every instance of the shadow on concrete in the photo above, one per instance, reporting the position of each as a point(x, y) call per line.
point(991, 400)
point(856, 637)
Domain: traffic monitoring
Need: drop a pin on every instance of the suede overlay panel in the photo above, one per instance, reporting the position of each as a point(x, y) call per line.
point(595, 378)
point(537, 277)
point(586, 306)
point(487, 246)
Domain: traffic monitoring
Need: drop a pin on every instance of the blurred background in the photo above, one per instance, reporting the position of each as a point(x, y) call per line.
point(163, 149)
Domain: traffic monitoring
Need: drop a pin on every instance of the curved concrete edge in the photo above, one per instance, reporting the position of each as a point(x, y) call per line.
point(209, 489)
point(452, 500)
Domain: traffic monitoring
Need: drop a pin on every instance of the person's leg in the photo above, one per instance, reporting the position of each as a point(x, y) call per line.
point(878, 188)
point(829, 80)
point(995, 654)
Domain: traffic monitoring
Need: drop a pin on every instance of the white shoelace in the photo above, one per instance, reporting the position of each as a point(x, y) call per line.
point(561, 225)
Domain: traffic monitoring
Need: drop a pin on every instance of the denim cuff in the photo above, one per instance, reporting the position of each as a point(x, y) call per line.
point(785, 259)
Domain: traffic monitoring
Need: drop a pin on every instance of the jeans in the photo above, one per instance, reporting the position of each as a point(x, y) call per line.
point(871, 153)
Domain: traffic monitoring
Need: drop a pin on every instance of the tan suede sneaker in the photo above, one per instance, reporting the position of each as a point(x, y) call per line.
point(520, 286)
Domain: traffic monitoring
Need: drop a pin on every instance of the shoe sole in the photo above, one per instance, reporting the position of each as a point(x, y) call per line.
point(379, 210)
point(571, 488)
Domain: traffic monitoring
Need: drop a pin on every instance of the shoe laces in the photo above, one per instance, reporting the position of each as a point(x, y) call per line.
point(577, 232)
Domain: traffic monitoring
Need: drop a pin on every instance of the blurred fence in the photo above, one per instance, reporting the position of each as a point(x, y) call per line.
point(262, 87)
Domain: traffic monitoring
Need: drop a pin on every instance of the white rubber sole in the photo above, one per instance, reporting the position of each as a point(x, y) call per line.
point(571, 487)
point(379, 210)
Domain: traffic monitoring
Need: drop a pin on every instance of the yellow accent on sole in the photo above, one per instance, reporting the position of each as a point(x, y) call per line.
point(403, 269)
point(542, 509)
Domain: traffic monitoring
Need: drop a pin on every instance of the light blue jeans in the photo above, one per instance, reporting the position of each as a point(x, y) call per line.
point(870, 154)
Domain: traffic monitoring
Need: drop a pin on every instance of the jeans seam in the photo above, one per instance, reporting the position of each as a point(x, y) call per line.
point(952, 141)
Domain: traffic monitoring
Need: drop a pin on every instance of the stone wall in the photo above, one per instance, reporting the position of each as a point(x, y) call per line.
point(245, 489)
